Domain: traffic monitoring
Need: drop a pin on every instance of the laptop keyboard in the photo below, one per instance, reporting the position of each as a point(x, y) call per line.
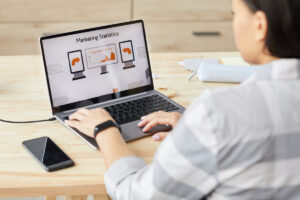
point(135, 109)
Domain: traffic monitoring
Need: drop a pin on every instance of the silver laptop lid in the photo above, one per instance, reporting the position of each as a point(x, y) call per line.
point(90, 66)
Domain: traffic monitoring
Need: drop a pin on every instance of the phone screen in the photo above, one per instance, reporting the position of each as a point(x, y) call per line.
point(48, 153)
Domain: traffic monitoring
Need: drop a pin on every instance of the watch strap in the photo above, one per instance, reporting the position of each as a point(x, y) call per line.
point(105, 125)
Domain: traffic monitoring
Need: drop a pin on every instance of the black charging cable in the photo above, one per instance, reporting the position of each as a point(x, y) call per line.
point(28, 122)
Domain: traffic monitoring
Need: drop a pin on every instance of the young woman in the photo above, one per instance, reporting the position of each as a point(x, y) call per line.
point(239, 143)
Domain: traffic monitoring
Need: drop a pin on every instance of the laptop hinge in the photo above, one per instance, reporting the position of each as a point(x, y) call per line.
point(111, 101)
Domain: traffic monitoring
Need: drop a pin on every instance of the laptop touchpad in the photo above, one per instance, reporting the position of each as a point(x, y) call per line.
point(159, 128)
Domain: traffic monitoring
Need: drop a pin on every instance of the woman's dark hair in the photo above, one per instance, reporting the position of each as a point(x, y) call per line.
point(283, 37)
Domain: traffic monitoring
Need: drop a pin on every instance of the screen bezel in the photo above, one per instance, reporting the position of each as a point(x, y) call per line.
point(102, 98)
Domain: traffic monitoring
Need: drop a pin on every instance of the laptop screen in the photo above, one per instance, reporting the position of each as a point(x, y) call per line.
point(96, 65)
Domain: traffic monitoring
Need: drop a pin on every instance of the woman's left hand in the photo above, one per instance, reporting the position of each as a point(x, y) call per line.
point(85, 120)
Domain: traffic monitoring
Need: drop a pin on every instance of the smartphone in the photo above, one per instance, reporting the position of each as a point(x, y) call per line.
point(48, 154)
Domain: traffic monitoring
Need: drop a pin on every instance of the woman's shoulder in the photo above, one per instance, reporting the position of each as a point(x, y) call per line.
point(232, 110)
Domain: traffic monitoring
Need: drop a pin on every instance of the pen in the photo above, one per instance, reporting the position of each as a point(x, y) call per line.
point(192, 75)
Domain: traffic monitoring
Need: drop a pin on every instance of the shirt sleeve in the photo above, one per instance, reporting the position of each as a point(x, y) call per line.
point(184, 166)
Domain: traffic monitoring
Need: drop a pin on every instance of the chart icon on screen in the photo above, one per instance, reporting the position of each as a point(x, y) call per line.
point(76, 64)
point(127, 54)
point(101, 57)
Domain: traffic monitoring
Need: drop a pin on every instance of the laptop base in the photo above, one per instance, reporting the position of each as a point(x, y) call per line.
point(130, 131)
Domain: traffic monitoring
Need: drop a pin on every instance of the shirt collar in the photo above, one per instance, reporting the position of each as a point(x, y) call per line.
point(282, 69)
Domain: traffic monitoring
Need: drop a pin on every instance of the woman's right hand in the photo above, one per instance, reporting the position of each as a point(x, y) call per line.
point(160, 117)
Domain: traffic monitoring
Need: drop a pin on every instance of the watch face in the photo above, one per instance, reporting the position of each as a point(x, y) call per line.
point(96, 131)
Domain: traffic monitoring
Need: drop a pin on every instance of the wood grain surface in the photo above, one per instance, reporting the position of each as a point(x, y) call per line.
point(24, 96)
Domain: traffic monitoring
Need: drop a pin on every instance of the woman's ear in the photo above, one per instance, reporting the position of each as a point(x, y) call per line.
point(261, 24)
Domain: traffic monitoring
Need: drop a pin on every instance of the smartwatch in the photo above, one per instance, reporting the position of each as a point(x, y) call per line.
point(105, 125)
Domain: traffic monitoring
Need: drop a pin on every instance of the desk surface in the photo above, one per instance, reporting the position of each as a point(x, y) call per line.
point(24, 96)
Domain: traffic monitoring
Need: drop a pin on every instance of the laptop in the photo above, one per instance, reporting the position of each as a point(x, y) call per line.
point(106, 67)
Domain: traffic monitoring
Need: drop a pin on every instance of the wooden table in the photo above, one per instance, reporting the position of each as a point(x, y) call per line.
point(24, 96)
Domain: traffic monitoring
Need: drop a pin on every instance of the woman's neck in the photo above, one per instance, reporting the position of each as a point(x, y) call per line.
point(268, 59)
point(264, 58)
